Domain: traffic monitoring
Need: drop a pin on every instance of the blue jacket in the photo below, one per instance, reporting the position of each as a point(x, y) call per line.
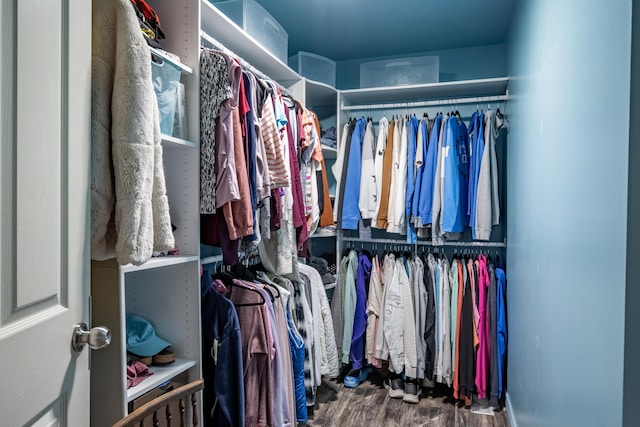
point(412, 234)
point(476, 127)
point(415, 207)
point(501, 302)
point(429, 174)
point(455, 144)
point(224, 376)
point(350, 209)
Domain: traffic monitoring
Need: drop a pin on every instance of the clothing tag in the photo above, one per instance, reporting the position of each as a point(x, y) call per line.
point(214, 351)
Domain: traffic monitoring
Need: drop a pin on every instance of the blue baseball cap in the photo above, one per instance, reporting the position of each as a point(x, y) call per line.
point(141, 337)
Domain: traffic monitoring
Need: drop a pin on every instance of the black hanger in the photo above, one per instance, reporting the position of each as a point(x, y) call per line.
point(251, 304)
point(273, 288)
point(241, 272)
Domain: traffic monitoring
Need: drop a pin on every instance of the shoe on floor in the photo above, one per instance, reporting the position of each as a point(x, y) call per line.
point(395, 384)
point(412, 391)
point(355, 377)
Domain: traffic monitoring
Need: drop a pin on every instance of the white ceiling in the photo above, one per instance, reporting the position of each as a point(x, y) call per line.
point(350, 29)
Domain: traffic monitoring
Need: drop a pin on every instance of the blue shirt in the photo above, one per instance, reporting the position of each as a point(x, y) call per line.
point(415, 207)
point(455, 144)
point(412, 234)
point(476, 127)
point(350, 209)
point(502, 325)
point(429, 174)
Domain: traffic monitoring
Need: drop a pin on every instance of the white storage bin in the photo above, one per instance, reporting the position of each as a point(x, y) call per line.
point(314, 67)
point(400, 71)
point(258, 23)
point(166, 85)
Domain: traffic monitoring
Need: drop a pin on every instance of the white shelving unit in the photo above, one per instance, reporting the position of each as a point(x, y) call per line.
point(170, 142)
point(329, 153)
point(223, 29)
point(165, 290)
point(423, 92)
point(157, 262)
point(161, 374)
point(322, 99)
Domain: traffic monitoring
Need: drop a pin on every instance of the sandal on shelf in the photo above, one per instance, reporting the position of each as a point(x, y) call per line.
point(165, 357)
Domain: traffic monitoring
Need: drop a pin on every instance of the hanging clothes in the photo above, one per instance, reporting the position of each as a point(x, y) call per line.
point(349, 301)
point(222, 368)
point(422, 147)
point(387, 176)
point(374, 311)
point(350, 211)
point(130, 216)
point(378, 161)
point(488, 203)
point(412, 172)
point(214, 90)
point(476, 132)
point(368, 188)
point(339, 169)
point(329, 354)
point(357, 349)
point(484, 343)
point(257, 348)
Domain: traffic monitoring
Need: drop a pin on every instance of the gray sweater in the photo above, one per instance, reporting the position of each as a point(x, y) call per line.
point(487, 200)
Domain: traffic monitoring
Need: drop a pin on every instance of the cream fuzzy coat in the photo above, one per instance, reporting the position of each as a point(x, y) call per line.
point(129, 207)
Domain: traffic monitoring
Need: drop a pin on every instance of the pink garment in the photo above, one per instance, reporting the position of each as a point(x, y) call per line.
point(483, 355)
point(256, 354)
point(227, 188)
point(238, 213)
point(136, 373)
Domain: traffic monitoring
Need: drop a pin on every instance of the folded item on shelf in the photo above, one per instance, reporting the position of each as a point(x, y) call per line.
point(329, 133)
point(136, 373)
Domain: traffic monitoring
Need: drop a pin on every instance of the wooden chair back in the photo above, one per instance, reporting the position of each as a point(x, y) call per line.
point(158, 411)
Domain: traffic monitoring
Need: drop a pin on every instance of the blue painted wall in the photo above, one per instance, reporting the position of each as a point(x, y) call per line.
point(455, 64)
point(567, 200)
point(631, 417)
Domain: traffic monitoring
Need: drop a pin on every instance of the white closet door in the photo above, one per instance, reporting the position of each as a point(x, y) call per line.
point(45, 72)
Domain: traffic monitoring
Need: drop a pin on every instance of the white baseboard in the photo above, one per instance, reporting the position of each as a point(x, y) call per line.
point(510, 413)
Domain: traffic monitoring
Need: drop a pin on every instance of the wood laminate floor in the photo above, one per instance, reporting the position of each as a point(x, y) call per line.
point(370, 405)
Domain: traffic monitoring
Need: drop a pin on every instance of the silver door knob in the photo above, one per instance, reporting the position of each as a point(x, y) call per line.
point(97, 338)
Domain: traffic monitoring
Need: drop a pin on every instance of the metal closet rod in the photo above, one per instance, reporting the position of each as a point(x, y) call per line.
point(431, 103)
point(216, 44)
point(502, 244)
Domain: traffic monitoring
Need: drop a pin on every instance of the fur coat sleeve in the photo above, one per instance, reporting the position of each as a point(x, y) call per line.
point(129, 207)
